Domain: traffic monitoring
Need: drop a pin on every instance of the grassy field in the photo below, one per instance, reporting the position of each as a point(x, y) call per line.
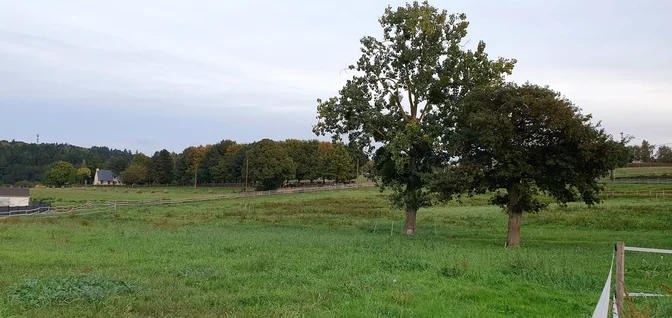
point(336, 254)
point(643, 172)
point(78, 195)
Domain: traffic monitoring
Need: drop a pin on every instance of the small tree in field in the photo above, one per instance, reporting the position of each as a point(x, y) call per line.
point(526, 139)
point(60, 173)
point(83, 174)
point(406, 85)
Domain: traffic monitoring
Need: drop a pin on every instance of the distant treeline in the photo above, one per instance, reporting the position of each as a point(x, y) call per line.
point(266, 163)
point(20, 161)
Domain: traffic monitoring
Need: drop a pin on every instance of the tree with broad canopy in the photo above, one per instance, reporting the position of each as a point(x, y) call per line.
point(403, 94)
point(524, 140)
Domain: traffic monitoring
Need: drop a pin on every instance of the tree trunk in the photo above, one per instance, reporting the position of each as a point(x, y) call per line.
point(515, 222)
point(515, 217)
point(409, 226)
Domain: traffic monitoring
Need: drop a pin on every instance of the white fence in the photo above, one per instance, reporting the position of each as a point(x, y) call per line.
point(620, 292)
point(89, 206)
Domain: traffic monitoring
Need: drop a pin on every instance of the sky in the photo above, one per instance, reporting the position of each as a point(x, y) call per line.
point(154, 74)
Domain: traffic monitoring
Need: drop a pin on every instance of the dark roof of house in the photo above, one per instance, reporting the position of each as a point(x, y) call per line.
point(105, 175)
point(14, 192)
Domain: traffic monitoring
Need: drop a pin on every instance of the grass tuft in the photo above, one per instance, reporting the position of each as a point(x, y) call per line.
point(48, 291)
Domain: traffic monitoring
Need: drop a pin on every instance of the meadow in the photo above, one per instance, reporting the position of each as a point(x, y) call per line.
point(643, 172)
point(328, 254)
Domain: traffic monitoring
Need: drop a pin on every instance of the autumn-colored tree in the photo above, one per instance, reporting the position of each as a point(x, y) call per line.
point(194, 160)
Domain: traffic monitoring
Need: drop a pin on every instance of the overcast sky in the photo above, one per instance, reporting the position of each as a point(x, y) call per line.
point(156, 74)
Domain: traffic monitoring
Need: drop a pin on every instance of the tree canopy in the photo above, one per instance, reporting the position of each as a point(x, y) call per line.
point(269, 164)
point(526, 139)
point(60, 173)
point(403, 93)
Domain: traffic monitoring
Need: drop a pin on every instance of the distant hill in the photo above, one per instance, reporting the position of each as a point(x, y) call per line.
point(21, 161)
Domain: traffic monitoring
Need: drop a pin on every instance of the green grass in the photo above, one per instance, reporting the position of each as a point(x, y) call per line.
point(643, 172)
point(335, 254)
point(78, 195)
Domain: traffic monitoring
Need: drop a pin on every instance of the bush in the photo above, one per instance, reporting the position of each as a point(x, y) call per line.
point(26, 184)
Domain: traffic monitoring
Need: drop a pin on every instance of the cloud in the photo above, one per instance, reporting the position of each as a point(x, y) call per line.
point(181, 72)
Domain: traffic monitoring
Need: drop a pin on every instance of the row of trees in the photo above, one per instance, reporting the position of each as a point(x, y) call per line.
point(267, 163)
point(442, 122)
point(648, 153)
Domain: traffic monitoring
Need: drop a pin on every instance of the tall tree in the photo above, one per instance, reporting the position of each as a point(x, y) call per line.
point(304, 155)
point(162, 167)
point(646, 151)
point(270, 165)
point(194, 160)
point(324, 153)
point(664, 154)
point(527, 139)
point(83, 174)
point(117, 165)
point(135, 173)
point(211, 158)
point(406, 86)
point(60, 173)
point(341, 165)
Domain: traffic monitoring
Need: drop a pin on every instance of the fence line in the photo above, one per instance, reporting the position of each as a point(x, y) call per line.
point(620, 292)
point(639, 193)
point(641, 180)
point(90, 206)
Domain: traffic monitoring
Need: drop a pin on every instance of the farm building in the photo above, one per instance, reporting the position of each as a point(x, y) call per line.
point(14, 196)
point(106, 177)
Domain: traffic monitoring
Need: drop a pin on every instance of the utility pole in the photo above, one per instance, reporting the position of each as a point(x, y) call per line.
point(38, 139)
point(247, 171)
point(195, 175)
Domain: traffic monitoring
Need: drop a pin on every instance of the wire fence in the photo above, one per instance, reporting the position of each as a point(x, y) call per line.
point(638, 193)
point(90, 206)
point(642, 180)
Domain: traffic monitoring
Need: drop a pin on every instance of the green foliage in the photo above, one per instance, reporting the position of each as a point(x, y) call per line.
point(407, 84)
point(83, 174)
point(212, 157)
point(43, 292)
point(21, 161)
point(60, 173)
point(136, 173)
point(270, 165)
point(162, 166)
point(304, 153)
point(527, 137)
point(664, 154)
point(231, 168)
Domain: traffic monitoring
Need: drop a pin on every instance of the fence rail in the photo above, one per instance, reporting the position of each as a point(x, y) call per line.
point(640, 193)
point(89, 206)
point(642, 180)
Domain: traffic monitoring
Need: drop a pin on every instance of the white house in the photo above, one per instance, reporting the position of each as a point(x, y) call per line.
point(14, 196)
point(105, 177)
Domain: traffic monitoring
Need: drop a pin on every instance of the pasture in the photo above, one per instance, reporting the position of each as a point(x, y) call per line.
point(79, 195)
point(643, 172)
point(328, 254)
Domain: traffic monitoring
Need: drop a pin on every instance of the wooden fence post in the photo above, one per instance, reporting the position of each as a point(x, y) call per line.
point(620, 273)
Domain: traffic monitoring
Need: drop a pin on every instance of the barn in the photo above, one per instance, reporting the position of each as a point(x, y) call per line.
point(14, 196)
point(105, 177)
